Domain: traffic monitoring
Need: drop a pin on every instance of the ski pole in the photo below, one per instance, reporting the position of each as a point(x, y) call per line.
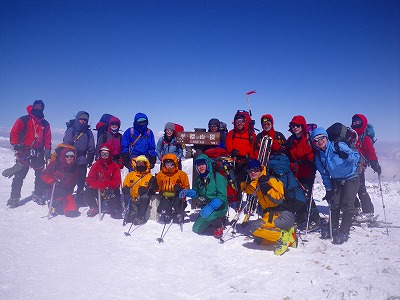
point(383, 203)
point(330, 219)
point(128, 232)
point(309, 211)
point(161, 238)
point(99, 199)
point(51, 201)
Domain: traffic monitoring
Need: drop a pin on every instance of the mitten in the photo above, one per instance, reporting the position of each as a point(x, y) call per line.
point(187, 193)
point(263, 183)
point(126, 160)
point(126, 190)
point(47, 154)
point(376, 166)
point(142, 190)
point(210, 207)
point(177, 189)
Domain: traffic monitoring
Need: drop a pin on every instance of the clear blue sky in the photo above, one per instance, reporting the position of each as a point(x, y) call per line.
point(189, 61)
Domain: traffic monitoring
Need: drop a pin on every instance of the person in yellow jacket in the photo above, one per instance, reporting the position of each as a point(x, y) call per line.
point(170, 182)
point(138, 186)
point(276, 224)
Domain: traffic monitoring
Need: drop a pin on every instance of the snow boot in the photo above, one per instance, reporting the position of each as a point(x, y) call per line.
point(292, 238)
point(218, 232)
point(364, 217)
point(138, 221)
point(92, 212)
point(282, 243)
point(13, 170)
point(340, 238)
point(72, 213)
point(13, 202)
point(40, 200)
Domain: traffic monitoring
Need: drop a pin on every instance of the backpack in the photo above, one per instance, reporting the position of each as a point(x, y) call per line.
point(59, 148)
point(279, 167)
point(102, 125)
point(369, 131)
point(224, 165)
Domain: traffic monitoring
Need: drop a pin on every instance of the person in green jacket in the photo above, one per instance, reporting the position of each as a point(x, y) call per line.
point(210, 190)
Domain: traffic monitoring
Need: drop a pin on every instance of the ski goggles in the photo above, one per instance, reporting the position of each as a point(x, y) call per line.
point(169, 163)
point(319, 138)
point(240, 121)
point(70, 156)
point(266, 120)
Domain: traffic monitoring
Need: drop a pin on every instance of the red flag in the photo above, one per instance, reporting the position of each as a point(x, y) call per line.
point(251, 92)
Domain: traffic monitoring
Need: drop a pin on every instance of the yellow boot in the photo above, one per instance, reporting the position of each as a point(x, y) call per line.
point(282, 243)
point(292, 238)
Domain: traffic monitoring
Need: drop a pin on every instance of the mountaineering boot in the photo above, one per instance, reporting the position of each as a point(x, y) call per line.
point(92, 212)
point(138, 221)
point(180, 218)
point(218, 232)
point(326, 235)
point(340, 238)
point(12, 202)
point(292, 238)
point(40, 200)
point(364, 217)
point(282, 243)
point(164, 218)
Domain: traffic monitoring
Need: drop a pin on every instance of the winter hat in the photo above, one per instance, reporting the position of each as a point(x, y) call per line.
point(318, 132)
point(267, 118)
point(239, 116)
point(170, 126)
point(84, 116)
point(141, 120)
point(38, 102)
point(142, 158)
point(214, 121)
point(104, 148)
point(70, 153)
point(115, 120)
point(253, 164)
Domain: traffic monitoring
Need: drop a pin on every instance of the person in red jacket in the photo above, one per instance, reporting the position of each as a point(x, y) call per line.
point(278, 139)
point(240, 144)
point(31, 138)
point(366, 148)
point(104, 175)
point(63, 173)
point(300, 152)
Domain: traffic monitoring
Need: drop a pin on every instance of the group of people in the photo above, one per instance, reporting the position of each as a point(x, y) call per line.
point(282, 203)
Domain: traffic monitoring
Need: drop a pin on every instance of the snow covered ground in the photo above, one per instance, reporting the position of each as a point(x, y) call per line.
point(85, 258)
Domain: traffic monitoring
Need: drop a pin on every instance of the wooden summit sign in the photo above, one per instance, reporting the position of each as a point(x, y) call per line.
point(202, 138)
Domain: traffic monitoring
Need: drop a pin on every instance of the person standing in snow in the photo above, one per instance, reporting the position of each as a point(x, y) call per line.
point(338, 169)
point(113, 138)
point(63, 173)
point(210, 189)
point(138, 186)
point(81, 137)
point(300, 152)
point(278, 139)
point(31, 138)
point(170, 182)
point(138, 140)
point(366, 148)
point(276, 224)
point(168, 144)
point(104, 175)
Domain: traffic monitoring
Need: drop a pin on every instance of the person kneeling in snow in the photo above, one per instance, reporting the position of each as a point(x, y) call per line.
point(64, 174)
point(209, 186)
point(104, 175)
point(138, 186)
point(276, 224)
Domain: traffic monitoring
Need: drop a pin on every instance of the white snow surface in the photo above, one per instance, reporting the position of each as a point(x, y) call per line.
point(85, 258)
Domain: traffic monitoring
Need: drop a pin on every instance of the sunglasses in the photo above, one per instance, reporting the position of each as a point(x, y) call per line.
point(105, 153)
point(316, 140)
point(266, 120)
point(169, 164)
point(69, 156)
point(142, 122)
point(240, 121)
point(295, 125)
point(114, 124)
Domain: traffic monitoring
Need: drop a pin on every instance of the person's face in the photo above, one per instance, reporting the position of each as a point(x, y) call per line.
point(214, 128)
point(104, 154)
point(169, 132)
point(201, 168)
point(296, 128)
point(254, 173)
point(239, 123)
point(266, 125)
point(320, 142)
point(69, 158)
point(114, 126)
point(83, 121)
point(169, 164)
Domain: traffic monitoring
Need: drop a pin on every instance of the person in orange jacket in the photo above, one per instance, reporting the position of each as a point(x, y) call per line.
point(104, 175)
point(170, 182)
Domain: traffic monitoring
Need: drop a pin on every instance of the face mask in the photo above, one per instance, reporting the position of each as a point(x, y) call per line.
point(37, 113)
point(141, 168)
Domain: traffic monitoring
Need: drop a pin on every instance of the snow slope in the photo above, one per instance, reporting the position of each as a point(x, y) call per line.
point(85, 258)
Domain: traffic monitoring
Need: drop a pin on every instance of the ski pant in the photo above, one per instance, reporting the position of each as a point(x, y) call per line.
point(64, 204)
point(302, 213)
point(37, 163)
point(91, 197)
point(139, 206)
point(269, 227)
point(345, 192)
point(81, 178)
point(365, 199)
point(168, 205)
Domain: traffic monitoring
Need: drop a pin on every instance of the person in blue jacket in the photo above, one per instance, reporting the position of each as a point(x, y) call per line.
point(338, 169)
point(138, 140)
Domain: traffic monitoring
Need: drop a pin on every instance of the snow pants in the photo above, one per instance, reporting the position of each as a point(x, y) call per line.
point(365, 199)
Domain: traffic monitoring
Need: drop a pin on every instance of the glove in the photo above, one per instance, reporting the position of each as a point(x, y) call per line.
point(329, 195)
point(19, 147)
point(126, 190)
point(234, 153)
point(342, 154)
point(263, 183)
point(142, 190)
point(376, 166)
point(152, 161)
point(177, 189)
point(187, 193)
point(126, 160)
point(47, 154)
point(210, 207)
